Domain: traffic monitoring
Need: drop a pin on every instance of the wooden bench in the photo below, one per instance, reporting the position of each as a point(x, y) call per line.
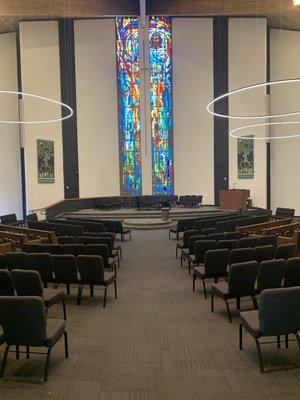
point(32, 234)
point(289, 240)
point(5, 248)
point(257, 229)
point(283, 230)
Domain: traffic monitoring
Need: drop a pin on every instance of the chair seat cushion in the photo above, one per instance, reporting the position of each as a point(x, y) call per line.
point(54, 330)
point(52, 296)
point(221, 290)
point(115, 253)
point(249, 319)
point(125, 231)
point(173, 230)
point(199, 271)
point(109, 277)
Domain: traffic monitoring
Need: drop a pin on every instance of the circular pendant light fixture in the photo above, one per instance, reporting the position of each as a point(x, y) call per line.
point(210, 106)
point(234, 133)
point(64, 106)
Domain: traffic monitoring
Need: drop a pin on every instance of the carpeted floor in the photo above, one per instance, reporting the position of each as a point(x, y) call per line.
point(157, 341)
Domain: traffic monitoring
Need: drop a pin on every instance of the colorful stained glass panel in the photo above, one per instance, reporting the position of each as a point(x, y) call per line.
point(160, 58)
point(129, 105)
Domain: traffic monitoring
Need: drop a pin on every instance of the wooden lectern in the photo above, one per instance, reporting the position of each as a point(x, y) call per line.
point(233, 199)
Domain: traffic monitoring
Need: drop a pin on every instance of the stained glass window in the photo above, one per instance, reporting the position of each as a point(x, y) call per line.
point(160, 57)
point(129, 105)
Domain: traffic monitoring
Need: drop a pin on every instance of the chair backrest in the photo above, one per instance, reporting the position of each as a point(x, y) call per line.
point(75, 249)
point(94, 227)
point(23, 319)
point(193, 240)
point(91, 269)
point(64, 268)
point(54, 248)
point(117, 226)
point(6, 284)
point(267, 240)
point(227, 244)
point(292, 272)
point(249, 242)
point(263, 253)
point(33, 248)
point(201, 247)
point(98, 250)
point(181, 225)
point(279, 311)
point(232, 235)
point(270, 274)
point(215, 236)
point(186, 236)
point(2, 261)
point(104, 240)
point(216, 262)
point(241, 255)
point(241, 279)
point(18, 260)
point(286, 251)
point(8, 219)
point(32, 217)
point(27, 283)
point(66, 239)
point(285, 212)
point(41, 262)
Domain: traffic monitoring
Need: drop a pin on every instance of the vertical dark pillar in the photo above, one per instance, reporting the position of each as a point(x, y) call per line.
point(268, 144)
point(22, 151)
point(221, 142)
point(68, 96)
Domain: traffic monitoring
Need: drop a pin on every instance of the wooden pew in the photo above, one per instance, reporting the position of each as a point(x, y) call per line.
point(16, 239)
point(5, 248)
point(32, 234)
point(257, 229)
point(283, 230)
point(288, 240)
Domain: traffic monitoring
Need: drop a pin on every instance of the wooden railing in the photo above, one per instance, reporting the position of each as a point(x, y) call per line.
point(32, 234)
point(257, 229)
point(283, 230)
point(5, 247)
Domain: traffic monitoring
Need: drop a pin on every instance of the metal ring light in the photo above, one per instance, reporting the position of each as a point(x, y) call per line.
point(233, 132)
point(248, 88)
point(63, 105)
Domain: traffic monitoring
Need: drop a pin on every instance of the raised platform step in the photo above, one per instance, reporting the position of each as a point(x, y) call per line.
point(147, 223)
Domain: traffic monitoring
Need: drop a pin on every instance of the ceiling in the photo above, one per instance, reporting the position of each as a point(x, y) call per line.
point(280, 13)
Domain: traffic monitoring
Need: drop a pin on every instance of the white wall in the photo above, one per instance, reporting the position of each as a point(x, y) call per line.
point(192, 90)
point(247, 66)
point(10, 171)
point(285, 167)
point(97, 112)
point(39, 48)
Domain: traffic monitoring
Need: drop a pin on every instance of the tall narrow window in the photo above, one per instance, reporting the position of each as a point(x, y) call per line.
point(160, 54)
point(129, 105)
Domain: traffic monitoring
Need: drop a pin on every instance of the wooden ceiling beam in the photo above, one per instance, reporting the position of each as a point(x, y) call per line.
point(67, 8)
point(221, 7)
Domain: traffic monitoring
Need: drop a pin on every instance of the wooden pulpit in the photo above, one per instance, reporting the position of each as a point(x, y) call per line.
point(233, 199)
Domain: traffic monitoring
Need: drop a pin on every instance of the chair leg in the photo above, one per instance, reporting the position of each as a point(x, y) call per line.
point(228, 311)
point(212, 302)
point(115, 286)
point(194, 281)
point(298, 339)
point(255, 303)
point(130, 235)
point(181, 259)
point(68, 289)
point(260, 360)
point(238, 303)
point(66, 344)
point(278, 341)
point(64, 309)
point(286, 341)
point(122, 237)
point(4, 360)
point(189, 265)
point(240, 336)
point(204, 288)
point(104, 299)
point(79, 294)
point(176, 251)
point(27, 352)
point(92, 290)
point(17, 352)
point(47, 364)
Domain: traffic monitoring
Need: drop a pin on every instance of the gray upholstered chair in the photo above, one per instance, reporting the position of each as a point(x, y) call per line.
point(267, 240)
point(263, 253)
point(270, 275)
point(292, 272)
point(278, 314)
point(6, 284)
point(24, 323)
point(18, 260)
point(103, 251)
point(215, 267)
point(92, 273)
point(241, 281)
point(184, 244)
point(201, 247)
point(241, 255)
point(41, 262)
point(227, 244)
point(75, 248)
point(249, 242)
point(286, 251)
point(186, 253)
point(29, 283)
point(65, 270)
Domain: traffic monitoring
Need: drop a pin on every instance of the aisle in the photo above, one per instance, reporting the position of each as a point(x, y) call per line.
point(157, 341)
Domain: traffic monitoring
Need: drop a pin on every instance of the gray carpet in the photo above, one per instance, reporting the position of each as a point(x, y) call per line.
point(157, 341)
